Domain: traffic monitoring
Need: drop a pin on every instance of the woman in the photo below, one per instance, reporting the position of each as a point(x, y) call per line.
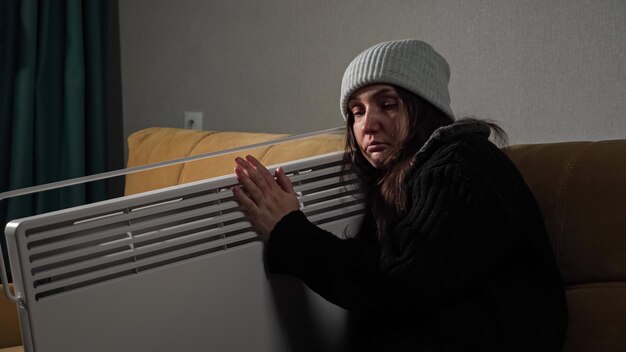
point(453, 253)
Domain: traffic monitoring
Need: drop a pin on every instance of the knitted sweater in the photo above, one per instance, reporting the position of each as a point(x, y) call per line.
point(469, 268)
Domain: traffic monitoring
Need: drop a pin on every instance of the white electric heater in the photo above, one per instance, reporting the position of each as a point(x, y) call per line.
point(177, 269)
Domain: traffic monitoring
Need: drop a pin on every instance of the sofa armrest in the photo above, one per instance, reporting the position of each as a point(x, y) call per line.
point(9, 324)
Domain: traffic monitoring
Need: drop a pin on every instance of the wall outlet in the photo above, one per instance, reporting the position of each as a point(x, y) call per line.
point(193, 120)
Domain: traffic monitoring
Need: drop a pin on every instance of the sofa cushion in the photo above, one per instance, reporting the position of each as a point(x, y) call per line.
point(9, 323)
point(597, 317)
point(157, 144)
point(294, 150)
point(581, 190)
point(13, 349)
point(223, 164)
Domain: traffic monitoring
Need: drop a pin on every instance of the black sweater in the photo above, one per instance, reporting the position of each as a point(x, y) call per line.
point(469, 268)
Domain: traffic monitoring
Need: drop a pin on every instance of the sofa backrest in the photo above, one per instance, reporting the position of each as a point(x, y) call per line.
point(156, 144)
point(581, 190)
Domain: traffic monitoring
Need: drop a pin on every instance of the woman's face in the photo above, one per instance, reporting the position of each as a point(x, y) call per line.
point(379, 121)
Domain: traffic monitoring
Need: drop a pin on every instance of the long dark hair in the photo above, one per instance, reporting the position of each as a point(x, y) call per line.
point(385, 190)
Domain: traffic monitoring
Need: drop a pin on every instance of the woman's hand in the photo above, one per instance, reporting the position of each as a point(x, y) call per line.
point(265, 200)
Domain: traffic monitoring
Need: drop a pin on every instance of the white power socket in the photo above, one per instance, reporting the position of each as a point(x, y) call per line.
point(193, 120)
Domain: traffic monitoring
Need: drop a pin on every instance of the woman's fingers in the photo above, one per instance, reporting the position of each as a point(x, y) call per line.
point(248, 205)
point(255, 173)
point(249, 185)
point(283, 181)
point(264, 199)
point(261, 169)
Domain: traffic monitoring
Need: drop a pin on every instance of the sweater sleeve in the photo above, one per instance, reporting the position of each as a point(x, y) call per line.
point(334, 268)
point(445, 245)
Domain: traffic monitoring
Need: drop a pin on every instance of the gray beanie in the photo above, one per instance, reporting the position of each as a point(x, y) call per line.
point(410, 64)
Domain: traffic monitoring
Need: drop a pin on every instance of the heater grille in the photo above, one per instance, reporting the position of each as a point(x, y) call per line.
point(82, 246)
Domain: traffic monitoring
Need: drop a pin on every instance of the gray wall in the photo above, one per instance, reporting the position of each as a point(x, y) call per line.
point(547, 70)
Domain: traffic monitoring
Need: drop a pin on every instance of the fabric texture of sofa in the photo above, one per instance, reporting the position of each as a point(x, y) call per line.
point(10, 339)
point(159, 144)
point(580, 187)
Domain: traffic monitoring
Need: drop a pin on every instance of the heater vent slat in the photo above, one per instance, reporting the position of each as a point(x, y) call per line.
point(317, 185)
point(76, 239)
point(82, 224)
point(129, 214)
point(304, 175)
point(135, 266)
point(134, 237)
point(87, 245)
point(137, 248)
point(341, 190)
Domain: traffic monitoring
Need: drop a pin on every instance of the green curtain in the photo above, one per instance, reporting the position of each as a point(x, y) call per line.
point(53, 102)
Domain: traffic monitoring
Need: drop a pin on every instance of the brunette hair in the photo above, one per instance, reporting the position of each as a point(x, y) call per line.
point(385, 190)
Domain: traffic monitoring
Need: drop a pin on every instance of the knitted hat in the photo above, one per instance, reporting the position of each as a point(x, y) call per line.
point(410, 64)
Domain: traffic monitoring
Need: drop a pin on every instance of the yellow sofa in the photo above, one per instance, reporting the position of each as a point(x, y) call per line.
point(580, 187)
point(159, 144)
point(10, 339)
